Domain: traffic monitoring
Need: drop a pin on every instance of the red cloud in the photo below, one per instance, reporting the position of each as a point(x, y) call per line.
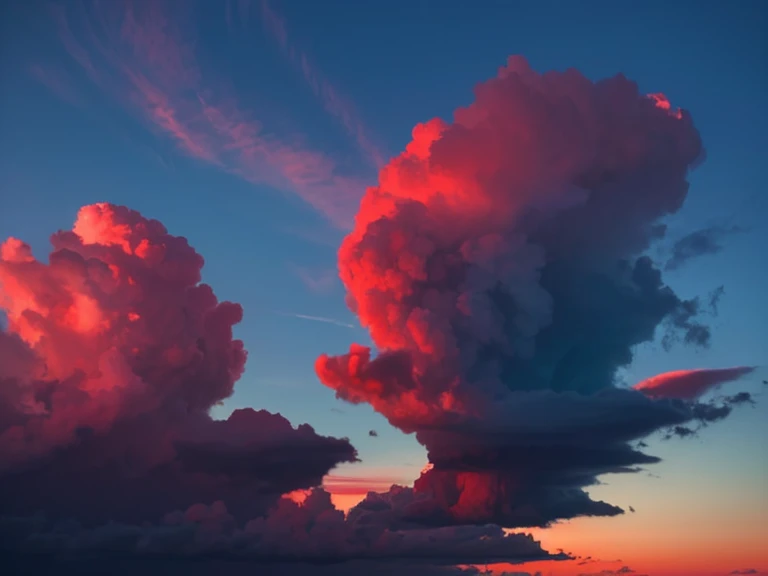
point(498, 267)
point(689, 384)
point(113, 355)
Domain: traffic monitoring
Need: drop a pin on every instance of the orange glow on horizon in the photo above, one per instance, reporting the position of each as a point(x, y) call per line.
point(345, 502)
point(342, 501)
point(354, 485)
point(349, 490)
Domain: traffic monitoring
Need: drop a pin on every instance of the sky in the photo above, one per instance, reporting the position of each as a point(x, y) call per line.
point(254, 130)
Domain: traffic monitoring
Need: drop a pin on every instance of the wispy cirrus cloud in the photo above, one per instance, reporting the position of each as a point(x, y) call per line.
point(146, 56)
point(319, 281)
point(334, 102)
point(58, 82)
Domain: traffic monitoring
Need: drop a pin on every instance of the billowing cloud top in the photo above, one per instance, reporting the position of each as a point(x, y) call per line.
point(113, 354)
point(498, 266)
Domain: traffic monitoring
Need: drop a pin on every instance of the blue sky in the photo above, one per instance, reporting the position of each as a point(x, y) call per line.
point(66, 142)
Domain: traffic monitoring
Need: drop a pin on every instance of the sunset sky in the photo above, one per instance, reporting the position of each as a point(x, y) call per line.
point(253, 129)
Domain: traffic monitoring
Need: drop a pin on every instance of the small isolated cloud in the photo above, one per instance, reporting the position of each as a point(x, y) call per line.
point(745, 571)
point(714, 299)
point(701, 242)
point(690, 384)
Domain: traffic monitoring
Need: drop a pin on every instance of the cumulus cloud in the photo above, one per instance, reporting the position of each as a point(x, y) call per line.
point(113, 354)
point(499, 266)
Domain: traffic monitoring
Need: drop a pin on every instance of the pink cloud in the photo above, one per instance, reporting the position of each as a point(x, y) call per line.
point(113, 354)
point(689, 384)
point(334, 102)
point(158, 108)
point(147, 60)
point(499, 334)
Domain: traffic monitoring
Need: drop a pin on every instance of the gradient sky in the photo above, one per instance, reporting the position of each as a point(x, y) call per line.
point(331, 90)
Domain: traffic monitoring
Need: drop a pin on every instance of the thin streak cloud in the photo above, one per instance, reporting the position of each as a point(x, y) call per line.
point(316, 319)
point(335, 103)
